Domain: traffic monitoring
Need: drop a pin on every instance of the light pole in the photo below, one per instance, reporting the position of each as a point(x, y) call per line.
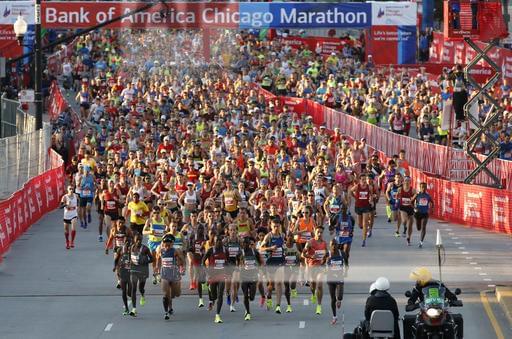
point(20, 29)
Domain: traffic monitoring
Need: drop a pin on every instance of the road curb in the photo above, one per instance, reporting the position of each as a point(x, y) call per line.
point(504, 296)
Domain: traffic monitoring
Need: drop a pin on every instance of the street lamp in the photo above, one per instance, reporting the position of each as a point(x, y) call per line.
point(20, 29)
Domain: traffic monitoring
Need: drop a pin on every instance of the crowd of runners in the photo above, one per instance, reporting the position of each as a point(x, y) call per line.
point(192, 173)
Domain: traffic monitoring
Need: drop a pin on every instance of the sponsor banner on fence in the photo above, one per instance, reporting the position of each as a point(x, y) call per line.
point(38, 196)
point(327, 45)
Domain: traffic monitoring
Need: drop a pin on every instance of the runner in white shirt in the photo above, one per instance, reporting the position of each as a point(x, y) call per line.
point(69, 203)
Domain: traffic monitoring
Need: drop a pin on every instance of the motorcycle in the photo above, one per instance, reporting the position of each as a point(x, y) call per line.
point(434, 320)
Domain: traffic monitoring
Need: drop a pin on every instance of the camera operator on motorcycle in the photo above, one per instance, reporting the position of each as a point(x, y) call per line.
point(435, 306)
point(380, 299)
point(423, 278)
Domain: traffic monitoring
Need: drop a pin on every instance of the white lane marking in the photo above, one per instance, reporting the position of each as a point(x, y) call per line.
point(455, 238)
point(469, 258)
point(302, 324)
point(462, 248)
point(477, 268)
point(448, 229)
point(482, 273)
point(491, 285)
point(458, 243)
point(451, 234)
point(487, 279)
point(306, 302)
point(108, 327)
point(465, 252)
point(473, 263)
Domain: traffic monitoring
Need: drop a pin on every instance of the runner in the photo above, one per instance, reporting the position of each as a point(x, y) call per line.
point(69, 202)
point(138, 211)
point(273, 244)
point(196, 252)
point(250, 260)
point(291, 271)
point(109, 201)
point(86, 196)
point(315, 254)
point(122, 265)
point(233, 276)
point(423, 205)
point(244, 224)
point(363, 196)
point(154, 228)
point(217, 258)
point(119, 235)
point(392, 201)
point(230, 200)
point(336, 272)
point(140, 259)
point(189, 201)
point(344, 232)
point(168, 264)
point(404, 196)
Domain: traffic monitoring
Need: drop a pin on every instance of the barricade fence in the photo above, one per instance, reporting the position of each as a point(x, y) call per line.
point(37, 196)
point(470, 205)
point(14, 120)
point(23, 156)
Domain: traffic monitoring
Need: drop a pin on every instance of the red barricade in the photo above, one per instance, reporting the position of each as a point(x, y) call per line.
point(56, 103)
point(38, 196)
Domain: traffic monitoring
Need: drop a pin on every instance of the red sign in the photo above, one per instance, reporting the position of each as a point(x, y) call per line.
point(326, 45)
point(38, 196)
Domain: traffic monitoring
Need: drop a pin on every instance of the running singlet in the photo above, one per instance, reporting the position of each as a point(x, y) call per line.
point(335, 269)
point(70, 210)
point(318, 250)
point(169, 270)
point(335, 206)
point(110, 202)
point(405, 198)
point(139, 261)
point(422, 202)
point(217, 263)
point(393, 195)
point(197, 251)
point(233, 251)
point(362, 196)
point(158, 228)
point(243, 227)
point(291, 258)
point(190, 199)
point(87, 187)
point(250, 272)
point(307, 229)
point(120, 238)
point(344, 232)
point(276, 257)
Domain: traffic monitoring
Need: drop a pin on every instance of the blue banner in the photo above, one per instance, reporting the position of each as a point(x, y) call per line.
point(305, 15)
point(406, 44)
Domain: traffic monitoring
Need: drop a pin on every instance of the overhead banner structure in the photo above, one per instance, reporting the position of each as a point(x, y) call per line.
point(393, 24)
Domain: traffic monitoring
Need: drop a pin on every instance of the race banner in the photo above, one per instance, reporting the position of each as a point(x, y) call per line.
point(327, 45)
point(9, 12)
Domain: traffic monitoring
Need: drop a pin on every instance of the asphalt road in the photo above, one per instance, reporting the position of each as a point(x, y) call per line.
point(47, 291)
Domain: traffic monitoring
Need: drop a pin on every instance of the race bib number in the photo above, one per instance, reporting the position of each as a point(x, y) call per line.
point(111, 205)
point(167, 262)
point(290, 260)
point(406, 201)
point(250, 264)
point(158, 232)
point(335, 208)
point(135, 259)
point(219, 264)
point(86, 192)
point(319, 254)
point(306, 235)
point(336, 265)
point(278, 253)
point(233, 251)
point(423, 202)
point(363, 195)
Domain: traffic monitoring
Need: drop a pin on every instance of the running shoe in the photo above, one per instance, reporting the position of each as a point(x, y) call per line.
point(404, 232)
point(363, 244)
point(408, 242)
point(100, 238)
point(236, 299)
point(217, 320)
point(82, 224)
point(72, 245)
point(269, 304)
point(262, 301)
point(389, 219)
point(228, 300)
point(89, 219)
point(171, 312)
point(313, 299)
point(166, 316)
point(201, 303)
point(192, 285)
point(397, 234)
point(210, 305)
point(318, 309)
point(294, 293)
point(247, 316)
point(334, 320)
point(369, 233)
point(420, 245)
point(118, 286)
point(158, 278)
point(85, 225)
point(133, 312)
point(338, 304)
point(154, 279)
point(142, 300)
point(126, 312)
point(67, 246)
point(232, 308)
point(278, 309)
point(289, 309)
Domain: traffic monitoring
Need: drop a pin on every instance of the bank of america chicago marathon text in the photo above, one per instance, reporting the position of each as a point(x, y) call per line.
point(287, 16)
point(391, 35)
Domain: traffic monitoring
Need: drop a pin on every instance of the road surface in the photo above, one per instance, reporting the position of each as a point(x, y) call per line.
point(47, 291)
